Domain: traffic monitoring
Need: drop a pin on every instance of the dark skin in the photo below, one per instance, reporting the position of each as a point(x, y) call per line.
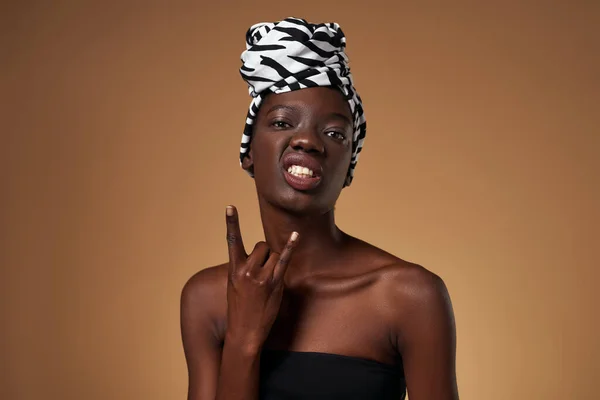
point(323, 292)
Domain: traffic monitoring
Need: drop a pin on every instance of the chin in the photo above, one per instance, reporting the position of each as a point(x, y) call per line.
point(300, 203)
point(299, 207)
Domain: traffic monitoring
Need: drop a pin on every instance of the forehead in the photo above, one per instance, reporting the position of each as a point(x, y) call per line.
point(324, 99)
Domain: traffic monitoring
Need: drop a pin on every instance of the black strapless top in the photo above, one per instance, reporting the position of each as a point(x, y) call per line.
point(289, 375)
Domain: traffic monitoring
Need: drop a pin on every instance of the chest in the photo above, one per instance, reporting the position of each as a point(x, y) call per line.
point(332, 321)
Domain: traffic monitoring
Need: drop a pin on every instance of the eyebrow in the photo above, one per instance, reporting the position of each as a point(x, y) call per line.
point(292, 108)
point(280, 107)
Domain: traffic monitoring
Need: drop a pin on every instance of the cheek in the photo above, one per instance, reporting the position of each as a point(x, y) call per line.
point(346, 157)
point(265, 149)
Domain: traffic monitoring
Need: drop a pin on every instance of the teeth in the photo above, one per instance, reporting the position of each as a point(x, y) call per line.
point(299, 171)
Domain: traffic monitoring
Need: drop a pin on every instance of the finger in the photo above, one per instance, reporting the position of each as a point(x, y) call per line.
point(266, 273)
point(257, 258)
point(235, 245)
point(284, 258)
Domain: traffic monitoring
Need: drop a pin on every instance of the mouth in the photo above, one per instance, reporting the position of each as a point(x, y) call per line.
point(302, 172)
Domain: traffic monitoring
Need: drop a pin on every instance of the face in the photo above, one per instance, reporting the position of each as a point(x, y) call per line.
point(301, 149)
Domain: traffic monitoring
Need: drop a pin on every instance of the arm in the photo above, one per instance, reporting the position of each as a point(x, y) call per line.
point(240, 367)
point(230, 372)
point(248, 290)
point(201, 342)
point(427, 338)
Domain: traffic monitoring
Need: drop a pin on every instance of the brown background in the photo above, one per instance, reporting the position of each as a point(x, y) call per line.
point(121, 124)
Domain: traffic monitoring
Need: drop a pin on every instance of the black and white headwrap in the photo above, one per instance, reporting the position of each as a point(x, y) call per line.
point(293, 54)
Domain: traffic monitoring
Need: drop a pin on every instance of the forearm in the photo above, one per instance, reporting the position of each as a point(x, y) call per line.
point(239, 372)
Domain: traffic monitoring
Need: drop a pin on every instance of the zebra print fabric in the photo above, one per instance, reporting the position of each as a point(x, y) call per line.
point(293, 54)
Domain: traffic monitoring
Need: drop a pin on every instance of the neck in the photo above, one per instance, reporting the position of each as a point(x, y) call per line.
point(319, 241)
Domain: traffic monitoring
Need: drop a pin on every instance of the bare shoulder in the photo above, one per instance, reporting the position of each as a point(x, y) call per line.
point(206, 283)
point(418, 306)
point(406, 284)
point(206, 279)
point(204, 295)
point(413, 283)
point(203, 301)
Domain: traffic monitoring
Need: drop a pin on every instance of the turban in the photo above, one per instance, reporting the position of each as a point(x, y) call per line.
point(293, 54)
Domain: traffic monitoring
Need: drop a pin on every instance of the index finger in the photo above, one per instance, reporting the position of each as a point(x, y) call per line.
point(235, 245)
point(284, 258)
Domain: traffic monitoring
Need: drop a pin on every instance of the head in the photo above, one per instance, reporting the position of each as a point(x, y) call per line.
point(305, 112)
point(310, 128)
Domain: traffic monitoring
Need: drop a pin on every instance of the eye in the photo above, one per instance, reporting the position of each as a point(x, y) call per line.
point(279, 124)
point(336, 135)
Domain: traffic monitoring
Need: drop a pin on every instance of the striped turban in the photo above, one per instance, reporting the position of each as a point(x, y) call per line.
point(293, 54)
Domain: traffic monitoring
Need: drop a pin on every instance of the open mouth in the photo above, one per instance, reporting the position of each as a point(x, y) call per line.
point(301, 171)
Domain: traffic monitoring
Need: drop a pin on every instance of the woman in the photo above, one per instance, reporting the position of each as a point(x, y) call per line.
point(311, 313)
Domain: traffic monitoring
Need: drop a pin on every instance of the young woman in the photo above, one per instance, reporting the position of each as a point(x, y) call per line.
point(311, 312)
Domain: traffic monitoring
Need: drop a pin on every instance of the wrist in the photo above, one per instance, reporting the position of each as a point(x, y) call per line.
point(245, 344)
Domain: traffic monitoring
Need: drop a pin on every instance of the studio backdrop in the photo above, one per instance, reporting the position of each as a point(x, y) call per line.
point(120, 128)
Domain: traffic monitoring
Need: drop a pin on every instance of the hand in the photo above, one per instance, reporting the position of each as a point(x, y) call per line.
point(254, 287)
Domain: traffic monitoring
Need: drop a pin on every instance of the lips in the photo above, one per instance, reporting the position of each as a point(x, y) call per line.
point(302, 183)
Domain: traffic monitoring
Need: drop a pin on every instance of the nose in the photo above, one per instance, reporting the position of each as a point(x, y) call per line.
point(307, 140)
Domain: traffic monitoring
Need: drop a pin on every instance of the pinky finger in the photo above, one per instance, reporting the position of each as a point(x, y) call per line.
point(284, 258)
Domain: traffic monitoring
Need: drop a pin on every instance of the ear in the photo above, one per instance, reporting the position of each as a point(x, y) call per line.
point(248, 163)
point(347, 181)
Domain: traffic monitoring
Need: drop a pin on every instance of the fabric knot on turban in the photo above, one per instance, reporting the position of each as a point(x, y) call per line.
point(293, 54)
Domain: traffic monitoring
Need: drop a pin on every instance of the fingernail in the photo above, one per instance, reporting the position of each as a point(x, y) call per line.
point(294, 236)
point(229, 211)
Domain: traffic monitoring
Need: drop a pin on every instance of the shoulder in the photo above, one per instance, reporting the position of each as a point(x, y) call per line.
point(412, 283)
point(205, 283)
point(407, 291)
point(415, 309)
point(417, 304)
point(204, 296)
point(203, 301)
point(401, 279)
